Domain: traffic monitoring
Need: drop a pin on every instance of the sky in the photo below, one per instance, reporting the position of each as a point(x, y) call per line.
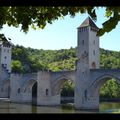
point(62, 34)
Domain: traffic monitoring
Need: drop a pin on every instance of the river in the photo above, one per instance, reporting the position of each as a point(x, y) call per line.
point(8, 107)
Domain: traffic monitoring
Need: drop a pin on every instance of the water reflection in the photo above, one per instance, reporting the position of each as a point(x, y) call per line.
point(109, 107)
point(8, 107)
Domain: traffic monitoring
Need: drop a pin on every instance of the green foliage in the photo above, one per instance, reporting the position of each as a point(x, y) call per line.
point(67, 89)
point(109, 59)
point(111, 89)
point(37, 17)
point(34, 60)
point(17, 66)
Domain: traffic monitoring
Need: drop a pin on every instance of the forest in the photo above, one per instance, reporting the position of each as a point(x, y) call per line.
point(26, 60)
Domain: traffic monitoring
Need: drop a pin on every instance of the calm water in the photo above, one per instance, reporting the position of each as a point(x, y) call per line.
point(7, 107)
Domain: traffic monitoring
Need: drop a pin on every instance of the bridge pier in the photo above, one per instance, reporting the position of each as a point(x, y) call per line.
point(86, 97)
point(44, 94)
point(87, 104)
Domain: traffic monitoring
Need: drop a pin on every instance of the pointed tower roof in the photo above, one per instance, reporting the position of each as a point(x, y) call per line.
point(88, 22)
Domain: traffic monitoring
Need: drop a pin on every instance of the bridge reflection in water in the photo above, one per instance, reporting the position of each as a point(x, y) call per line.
point(8, 107)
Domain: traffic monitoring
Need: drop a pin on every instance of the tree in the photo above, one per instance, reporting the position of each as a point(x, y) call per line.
point(38, 17)
point(111, 89)
point(17, 66)
point(68, 89)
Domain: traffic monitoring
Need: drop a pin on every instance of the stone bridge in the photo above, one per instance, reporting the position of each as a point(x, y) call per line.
point(49, 84)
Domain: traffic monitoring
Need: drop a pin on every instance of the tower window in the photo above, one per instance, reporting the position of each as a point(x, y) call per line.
point(5, 57)
point(85, 93)
point(46, 92)
point(4, 50)
point(93, 52)
point(8, 51)
point(83, 42)
point(94, 42)
point(85, 54)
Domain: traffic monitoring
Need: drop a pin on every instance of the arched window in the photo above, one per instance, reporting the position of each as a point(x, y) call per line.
point(93, 65)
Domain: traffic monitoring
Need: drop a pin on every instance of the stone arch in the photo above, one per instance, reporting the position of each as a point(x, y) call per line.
point(34, 93)
point(27, 87)
point(58, 83)
point(95, 86)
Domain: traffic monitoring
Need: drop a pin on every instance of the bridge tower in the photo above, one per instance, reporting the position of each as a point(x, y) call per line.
point(5, 68)
point(88, 58)
point(5, 56)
